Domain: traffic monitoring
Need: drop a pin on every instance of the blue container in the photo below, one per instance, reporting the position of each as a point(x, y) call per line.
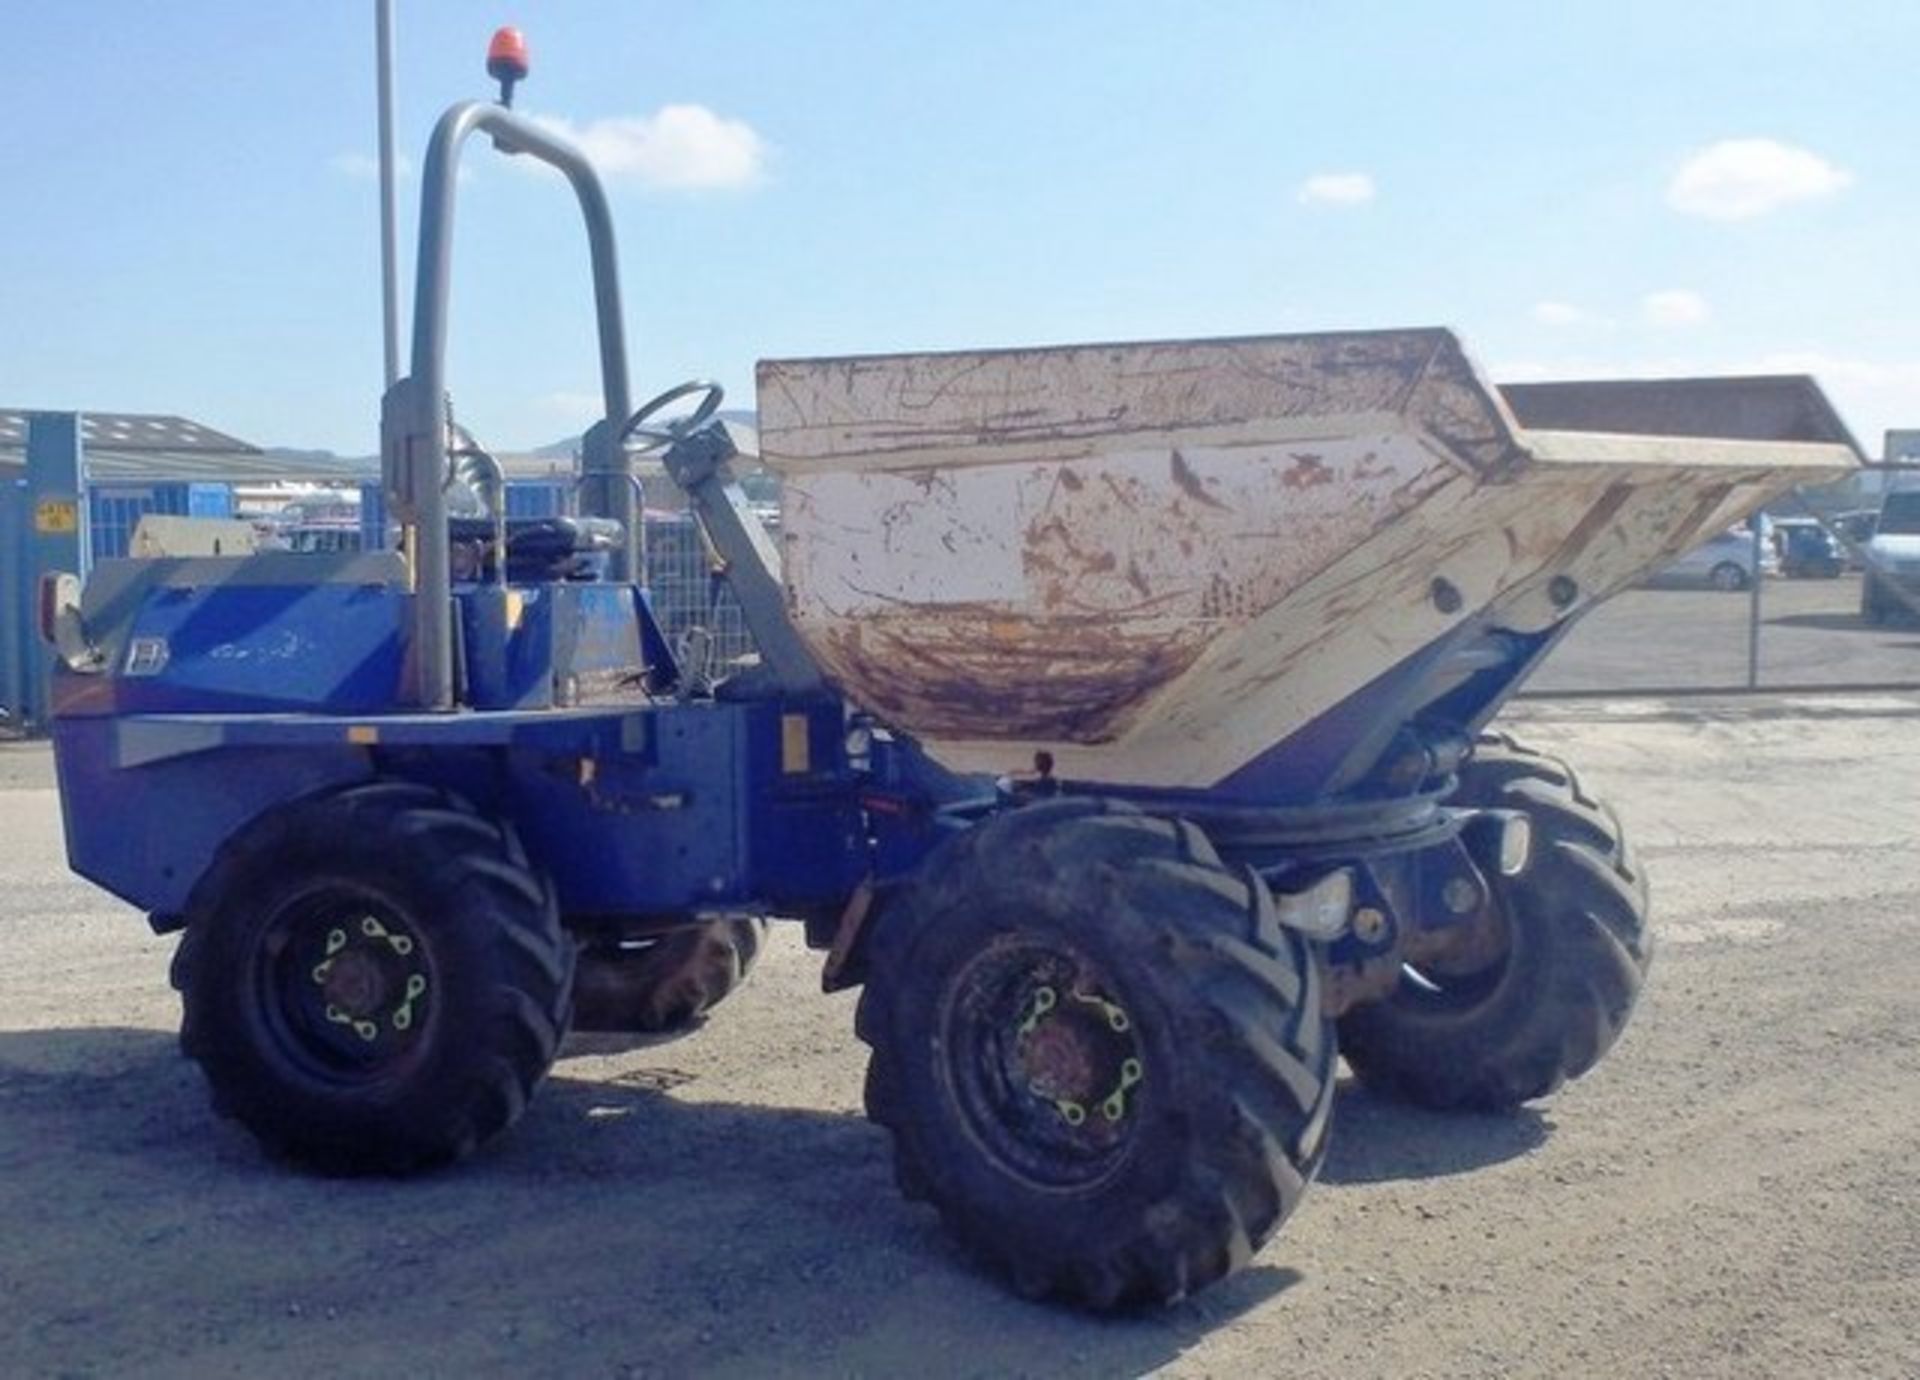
point(114, 510)
point(19, 661)
point(536, 499)
point(209, 501)
point(373, 517)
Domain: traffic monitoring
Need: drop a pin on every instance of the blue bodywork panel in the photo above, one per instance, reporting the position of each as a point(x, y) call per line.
point(518, 642)
point(147, 832)
point(242, 635)
point(1456, 683)
point(236, 685)
point(327, 634)
point(251, 649)
point(639, 811)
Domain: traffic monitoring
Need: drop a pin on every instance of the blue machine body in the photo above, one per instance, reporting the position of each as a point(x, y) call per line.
point(230, 686)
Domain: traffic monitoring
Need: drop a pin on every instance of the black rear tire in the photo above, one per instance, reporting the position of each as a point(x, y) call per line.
point(1577, 956)
point(668, 986)
point(373, 981)
point(1099, 1057)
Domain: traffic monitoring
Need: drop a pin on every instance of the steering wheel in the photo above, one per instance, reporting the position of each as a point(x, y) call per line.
point(666, 433)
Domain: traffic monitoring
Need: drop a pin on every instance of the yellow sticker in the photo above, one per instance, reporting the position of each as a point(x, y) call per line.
point(55, 516)
point(796, 749)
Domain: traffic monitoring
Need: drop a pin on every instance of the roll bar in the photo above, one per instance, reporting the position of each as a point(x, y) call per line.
point(413, 414)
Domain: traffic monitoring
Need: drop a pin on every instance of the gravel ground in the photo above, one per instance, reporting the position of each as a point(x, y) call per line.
point(1730, 1194)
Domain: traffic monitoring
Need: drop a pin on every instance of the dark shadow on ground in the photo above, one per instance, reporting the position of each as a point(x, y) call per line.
point(624, 1225)
point(1377, 1140)
point(1682, 584)
point(1837, 620)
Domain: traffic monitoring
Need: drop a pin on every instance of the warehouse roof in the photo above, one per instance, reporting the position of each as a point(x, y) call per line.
point(149, 448)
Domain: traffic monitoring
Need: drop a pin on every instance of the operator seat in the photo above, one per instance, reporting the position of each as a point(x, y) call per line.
point(540, 550)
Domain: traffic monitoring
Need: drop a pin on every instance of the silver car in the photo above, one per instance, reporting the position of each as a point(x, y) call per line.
point(1721, 562)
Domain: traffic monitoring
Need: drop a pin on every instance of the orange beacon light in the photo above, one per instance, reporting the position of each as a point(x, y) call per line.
point(507, 61)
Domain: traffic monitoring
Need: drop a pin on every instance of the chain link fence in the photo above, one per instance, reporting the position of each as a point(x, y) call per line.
point(691, 599)
point(1809, 601)
point(1822, 595)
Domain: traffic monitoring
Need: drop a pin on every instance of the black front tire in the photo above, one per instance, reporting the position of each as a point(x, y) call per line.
point(374, 981)
point(1003, 1072)
point(1577, 954)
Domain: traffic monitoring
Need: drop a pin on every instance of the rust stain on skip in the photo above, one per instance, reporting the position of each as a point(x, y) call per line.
point(1306, 472)
point(1056, 534)
point(1190, 483)
point(955, 677)
point(1121, 493)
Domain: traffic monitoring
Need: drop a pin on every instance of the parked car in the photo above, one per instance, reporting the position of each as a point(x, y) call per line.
point(1722, 562)
point(1892, 583)
point(1810, 551)
point(1855, 527)
point(1857, 524)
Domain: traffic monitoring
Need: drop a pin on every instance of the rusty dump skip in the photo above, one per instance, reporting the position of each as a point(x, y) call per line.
point(1156, 561)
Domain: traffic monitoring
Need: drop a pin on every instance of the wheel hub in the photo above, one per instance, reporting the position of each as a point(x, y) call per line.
point(366, 987)
point(1070, 1056)
point(1043, 1060)
point(355, 983)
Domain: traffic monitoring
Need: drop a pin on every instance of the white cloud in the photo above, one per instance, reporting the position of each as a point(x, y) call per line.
point(1566, 314)
point(365, 167)
point(1737, 179)
point(1336, 189)
point(679, 146)
point(1674, 307)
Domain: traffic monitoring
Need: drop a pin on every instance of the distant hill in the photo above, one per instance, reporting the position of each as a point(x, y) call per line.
point(356, 466)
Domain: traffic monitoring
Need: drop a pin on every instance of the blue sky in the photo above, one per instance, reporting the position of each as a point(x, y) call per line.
point(1579, 188)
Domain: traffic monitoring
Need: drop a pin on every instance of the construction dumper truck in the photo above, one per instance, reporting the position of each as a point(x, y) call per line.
point(1121, 721)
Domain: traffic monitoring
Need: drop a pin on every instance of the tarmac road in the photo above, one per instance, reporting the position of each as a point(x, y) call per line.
point(1731, 1194)
point(1667, 638)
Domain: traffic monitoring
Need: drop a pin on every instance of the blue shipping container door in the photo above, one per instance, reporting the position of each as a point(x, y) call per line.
point(113, 511)
point(18, 663)
point(536, 499)
point(373, 518)
point(210, 500)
